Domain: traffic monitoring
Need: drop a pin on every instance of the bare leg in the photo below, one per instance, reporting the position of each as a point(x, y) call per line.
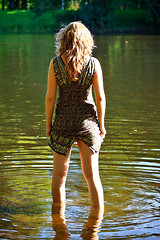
point(60, 169)
point(89, 161)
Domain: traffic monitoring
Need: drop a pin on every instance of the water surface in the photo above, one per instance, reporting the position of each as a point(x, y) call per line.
point(129, 157)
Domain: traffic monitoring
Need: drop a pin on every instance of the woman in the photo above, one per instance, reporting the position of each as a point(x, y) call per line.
point(74, 71)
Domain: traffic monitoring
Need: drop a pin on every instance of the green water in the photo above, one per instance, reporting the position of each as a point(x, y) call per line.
point(129, 157)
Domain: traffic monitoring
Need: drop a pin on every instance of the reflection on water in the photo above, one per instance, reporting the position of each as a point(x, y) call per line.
point(91, 228)
point(60, 228)
point(59, 222)
point(129, 157)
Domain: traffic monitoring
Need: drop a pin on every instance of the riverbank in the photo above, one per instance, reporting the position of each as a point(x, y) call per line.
point(27, 21)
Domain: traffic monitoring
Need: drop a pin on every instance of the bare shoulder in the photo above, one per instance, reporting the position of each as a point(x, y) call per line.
point(97, 63)
point(98, 68)
point(51, 63)
point(51, 66)
point(51, 73)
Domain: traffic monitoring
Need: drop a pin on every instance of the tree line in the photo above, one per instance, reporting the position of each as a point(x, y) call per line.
point(33, 4)
point(100, 12)
point(12, 5)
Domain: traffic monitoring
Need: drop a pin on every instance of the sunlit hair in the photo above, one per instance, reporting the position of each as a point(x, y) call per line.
point(76, 43)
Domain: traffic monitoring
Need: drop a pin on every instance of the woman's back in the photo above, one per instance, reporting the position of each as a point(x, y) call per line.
point(75, 106)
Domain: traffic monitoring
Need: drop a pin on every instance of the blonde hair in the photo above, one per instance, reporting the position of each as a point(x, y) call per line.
point(76, 43)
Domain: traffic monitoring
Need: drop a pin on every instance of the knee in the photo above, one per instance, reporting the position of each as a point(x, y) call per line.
point(58, 180)
point(88, 175)
point(60, 173)
point(60, 170)
point(91, 175)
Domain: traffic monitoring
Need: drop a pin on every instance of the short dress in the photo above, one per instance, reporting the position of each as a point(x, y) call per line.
point(76, 114)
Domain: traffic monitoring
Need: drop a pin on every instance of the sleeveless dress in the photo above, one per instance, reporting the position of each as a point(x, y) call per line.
point(76, 115)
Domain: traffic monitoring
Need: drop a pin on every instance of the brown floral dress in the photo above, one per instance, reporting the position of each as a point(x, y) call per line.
point(75, 116)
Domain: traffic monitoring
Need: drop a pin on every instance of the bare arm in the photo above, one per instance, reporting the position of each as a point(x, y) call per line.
point(100, 96)
point(50, 98)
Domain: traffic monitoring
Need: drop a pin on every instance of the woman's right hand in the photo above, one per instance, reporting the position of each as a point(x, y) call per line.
point(103, 132)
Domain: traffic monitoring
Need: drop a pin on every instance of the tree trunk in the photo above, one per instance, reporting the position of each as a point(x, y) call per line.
point(3, 5)
point(17, 4)
point(11, 4)
point(24, 4)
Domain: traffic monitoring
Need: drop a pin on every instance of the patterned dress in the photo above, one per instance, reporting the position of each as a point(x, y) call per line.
point(75, 116)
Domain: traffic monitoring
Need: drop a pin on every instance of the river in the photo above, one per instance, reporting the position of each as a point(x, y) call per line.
point(129, 157)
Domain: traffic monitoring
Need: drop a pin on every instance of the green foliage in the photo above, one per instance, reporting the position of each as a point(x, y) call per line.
point(45, 22)
point(27, 21)
point(93, 12)
point(64, 17)
point(130, 17)
point(153, 11)
point(98, 16)
point(124, 4)
point(15, 21)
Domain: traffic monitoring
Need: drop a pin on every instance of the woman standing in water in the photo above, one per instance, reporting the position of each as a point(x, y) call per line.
point(77, 119)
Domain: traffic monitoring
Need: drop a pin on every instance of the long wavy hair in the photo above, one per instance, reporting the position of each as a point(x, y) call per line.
point(76, 43)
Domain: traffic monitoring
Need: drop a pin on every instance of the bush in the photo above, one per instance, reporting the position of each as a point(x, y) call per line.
point(15, 21)
point(64, 17)
point(130, 17)
point(28, 21)
point(31, 22)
